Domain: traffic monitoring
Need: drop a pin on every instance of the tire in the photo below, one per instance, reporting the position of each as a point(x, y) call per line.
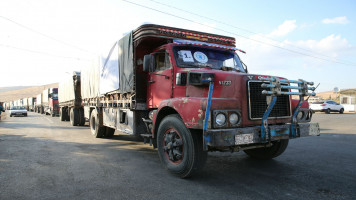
point(95, 128)
point(341, 111)
point(62, 113)
point(74, 117)
point(66, 114)
point(180, 151)
point(10, 115)
point(328, 111)
point(25, 115)
point(81, 117)
point(266, 153)
point(109, 132)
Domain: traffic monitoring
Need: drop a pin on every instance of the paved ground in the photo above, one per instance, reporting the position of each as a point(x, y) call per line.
point(43, 158)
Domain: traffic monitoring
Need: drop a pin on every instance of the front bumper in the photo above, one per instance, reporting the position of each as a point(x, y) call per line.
point(18, 113)
point(252, 135)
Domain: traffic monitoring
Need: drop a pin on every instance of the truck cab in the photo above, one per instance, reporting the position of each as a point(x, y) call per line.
point(53, 107)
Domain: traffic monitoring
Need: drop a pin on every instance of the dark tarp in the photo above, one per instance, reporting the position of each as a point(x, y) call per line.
point(126, 65)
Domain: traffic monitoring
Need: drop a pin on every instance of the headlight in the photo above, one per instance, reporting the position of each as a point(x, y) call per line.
point(234, 119)
point(220, 119)
point(150, 115)
point(300, 115)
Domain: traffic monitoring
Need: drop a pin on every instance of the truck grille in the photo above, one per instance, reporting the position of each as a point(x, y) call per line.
point(258, 104)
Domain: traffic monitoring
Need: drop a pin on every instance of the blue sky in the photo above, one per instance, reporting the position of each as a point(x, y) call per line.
point(56, 36)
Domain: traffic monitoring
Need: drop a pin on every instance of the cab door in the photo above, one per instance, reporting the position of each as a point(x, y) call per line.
point(160, 80)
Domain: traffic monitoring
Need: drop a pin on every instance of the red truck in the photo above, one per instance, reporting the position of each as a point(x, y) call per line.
point(50, 102)
point(187, 93)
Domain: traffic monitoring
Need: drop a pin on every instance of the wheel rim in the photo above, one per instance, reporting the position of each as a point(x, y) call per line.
point(173, 146)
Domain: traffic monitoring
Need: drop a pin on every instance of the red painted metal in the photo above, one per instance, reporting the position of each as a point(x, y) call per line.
point(190, 101)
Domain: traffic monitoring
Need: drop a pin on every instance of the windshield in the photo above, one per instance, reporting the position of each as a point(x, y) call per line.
point(197, 57)
point(54, 96)
point(18, 108)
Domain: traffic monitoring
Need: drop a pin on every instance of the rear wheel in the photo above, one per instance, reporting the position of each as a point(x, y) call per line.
point(265, 153)
point(181, 152)
point(74, 117)
point(62, 114)
point(328, 111)
point(341, 111)
point(81, 117)
point(96, 129)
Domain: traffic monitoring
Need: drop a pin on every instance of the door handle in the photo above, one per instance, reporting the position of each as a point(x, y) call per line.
point(151, 81)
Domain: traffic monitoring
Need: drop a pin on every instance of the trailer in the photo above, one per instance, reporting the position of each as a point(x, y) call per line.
point(31, 104)
point(187, 93)
point(38, 107)
point(70, 100)
point(25, 103)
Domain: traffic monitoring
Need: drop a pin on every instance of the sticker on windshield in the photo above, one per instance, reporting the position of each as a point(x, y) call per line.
point(186, 55)
point(200, 57)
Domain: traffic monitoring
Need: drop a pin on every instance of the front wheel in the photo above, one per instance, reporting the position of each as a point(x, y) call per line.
point(265, 153)
point(341, 111)
point(180, 150)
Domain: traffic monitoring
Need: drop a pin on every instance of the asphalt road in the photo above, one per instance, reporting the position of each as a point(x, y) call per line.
point(43, 158)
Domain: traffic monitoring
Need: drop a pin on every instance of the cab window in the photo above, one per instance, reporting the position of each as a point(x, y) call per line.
point(162, 61)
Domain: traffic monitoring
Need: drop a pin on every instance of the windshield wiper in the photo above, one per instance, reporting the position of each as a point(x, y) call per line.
point(192, 65)
point(226, 68)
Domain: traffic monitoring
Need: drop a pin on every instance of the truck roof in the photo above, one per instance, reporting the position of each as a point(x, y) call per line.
point(153, 30)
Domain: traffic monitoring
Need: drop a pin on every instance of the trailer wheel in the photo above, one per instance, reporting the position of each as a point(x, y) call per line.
point(74, 117)
point(62, 117)
point(181, 152)
point(66, 114)
point(109, 132)
point(277, 148)
point(81, 118)
point(95, 128)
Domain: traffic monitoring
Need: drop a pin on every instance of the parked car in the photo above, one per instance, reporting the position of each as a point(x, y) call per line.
point(327, 107)
point(18, 111)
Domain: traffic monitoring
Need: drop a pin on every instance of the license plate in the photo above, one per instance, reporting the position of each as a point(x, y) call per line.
point(314, 129)
point(244, 139)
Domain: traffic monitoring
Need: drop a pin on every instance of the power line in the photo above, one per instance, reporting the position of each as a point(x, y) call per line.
point(44, 35)
point(236, 27)
point(40, 52)
point(258, 41)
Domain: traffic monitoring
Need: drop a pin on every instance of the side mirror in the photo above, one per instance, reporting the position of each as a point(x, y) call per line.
point(148, 63)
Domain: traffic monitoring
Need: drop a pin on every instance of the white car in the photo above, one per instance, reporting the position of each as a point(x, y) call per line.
point(327, 107)
point(18, 110)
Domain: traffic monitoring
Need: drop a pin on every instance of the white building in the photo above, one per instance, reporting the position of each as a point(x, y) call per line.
point(347, 99)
